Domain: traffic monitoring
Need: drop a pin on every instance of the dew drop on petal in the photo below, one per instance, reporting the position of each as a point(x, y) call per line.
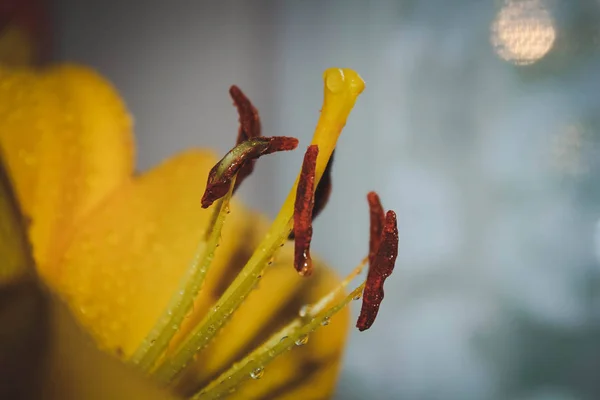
point(302, 340)
point(257, 373)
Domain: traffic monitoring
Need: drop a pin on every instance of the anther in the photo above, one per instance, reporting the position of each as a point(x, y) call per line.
point(380, 268)
point(303, 210)
point(221, 175)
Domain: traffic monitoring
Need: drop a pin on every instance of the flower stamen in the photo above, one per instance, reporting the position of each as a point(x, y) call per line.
point(322, 192)
point(249, 128)
point(156, 342)
point(381, 266)
point(220, 176)
point(342, 88)
point(303, 209)
point(248, 115)
point(221, 181)
point(285, 339)
point(377, 220)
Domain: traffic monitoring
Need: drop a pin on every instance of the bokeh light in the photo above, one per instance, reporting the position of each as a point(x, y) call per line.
point(523, 31)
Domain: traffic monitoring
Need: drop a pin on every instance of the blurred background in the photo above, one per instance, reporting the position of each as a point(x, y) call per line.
point(479, 126)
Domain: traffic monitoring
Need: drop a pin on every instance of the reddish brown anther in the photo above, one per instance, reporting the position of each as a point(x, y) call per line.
point(381, 267)
point(303, 210)
point(377, 220)
point(249, 128)
point(248, 115)
point(322, 192)
point(220, 176)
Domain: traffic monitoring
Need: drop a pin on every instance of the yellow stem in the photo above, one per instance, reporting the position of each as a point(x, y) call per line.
point(293, 334)
point(182, 301)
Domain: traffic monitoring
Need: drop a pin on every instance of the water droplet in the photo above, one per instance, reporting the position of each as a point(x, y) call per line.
point(304, 311)
point(357, 297)
point(302, 340)
point(257, 373)
point(334, 80)
point(306, 269)
point(283, 338)
point(325, 321)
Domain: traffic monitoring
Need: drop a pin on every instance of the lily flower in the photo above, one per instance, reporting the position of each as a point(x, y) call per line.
point(159, 284)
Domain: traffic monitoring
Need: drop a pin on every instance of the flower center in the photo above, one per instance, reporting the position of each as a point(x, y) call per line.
point(341, 89)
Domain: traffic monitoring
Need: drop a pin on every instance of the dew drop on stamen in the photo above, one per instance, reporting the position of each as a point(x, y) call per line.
point(325, 321)
point(283, 338)
point(257, 373)
point(357, 297)
point(303, 312)
point(302, 340)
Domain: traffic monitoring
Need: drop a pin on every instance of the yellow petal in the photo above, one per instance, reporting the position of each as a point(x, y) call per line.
point(128, 258)
point(116, 247)
point(75, 368)
point(67, 140)
point(43, 353)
